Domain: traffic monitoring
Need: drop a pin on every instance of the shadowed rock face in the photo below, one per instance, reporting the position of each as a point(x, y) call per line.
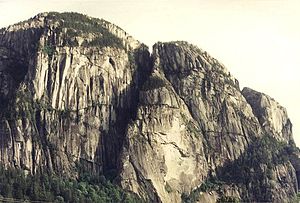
point(77, 90)
point(272, 117)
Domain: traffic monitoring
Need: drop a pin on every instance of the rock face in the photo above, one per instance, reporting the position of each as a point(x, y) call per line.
point(272, 117)
point(192, 120)
point(69, 103)
point(80, 92)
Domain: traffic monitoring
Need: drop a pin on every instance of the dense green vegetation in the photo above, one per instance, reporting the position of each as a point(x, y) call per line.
point(253, 169)
point(79, 24)
point(266, 150)
point(298, 197)
point(207, 186)
point(49, 50)
point(228, 199)
point(52, 188)
point(211, 184)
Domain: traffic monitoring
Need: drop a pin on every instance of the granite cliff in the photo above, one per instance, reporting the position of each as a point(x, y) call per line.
point(169, 126)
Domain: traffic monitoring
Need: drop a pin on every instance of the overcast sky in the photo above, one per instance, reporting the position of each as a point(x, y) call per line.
point(257, 40)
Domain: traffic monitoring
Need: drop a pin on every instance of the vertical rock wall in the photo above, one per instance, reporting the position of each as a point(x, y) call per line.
point(163, 125)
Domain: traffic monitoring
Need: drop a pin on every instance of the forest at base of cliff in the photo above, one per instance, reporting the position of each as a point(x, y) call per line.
point(48, 187)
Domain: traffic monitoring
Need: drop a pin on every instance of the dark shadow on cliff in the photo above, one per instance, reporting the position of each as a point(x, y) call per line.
point(251, 173)
point(111, 143)
point(13, 69)
point(16, 50)
point(254, 169)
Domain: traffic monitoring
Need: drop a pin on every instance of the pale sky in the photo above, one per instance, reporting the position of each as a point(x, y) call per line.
point(257, 40)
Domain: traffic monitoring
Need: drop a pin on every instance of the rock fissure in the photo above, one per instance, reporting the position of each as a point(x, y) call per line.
point(182, 153)
point(74, 89)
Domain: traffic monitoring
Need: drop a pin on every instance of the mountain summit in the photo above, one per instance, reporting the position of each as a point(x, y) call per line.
point(83, 102)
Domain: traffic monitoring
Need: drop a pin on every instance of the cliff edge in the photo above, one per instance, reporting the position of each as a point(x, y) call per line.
point(79, 93)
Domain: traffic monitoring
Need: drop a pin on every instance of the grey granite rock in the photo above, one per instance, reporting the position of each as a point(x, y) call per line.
point(163, 126)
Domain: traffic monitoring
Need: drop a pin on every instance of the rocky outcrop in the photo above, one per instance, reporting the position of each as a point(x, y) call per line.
point(78, 92)
point(183, 103)
point(272, 117)
point(163, 147)
point(69, 104)
point(191, 98)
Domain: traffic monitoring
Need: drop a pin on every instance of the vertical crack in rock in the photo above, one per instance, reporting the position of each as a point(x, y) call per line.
point(78, 94)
